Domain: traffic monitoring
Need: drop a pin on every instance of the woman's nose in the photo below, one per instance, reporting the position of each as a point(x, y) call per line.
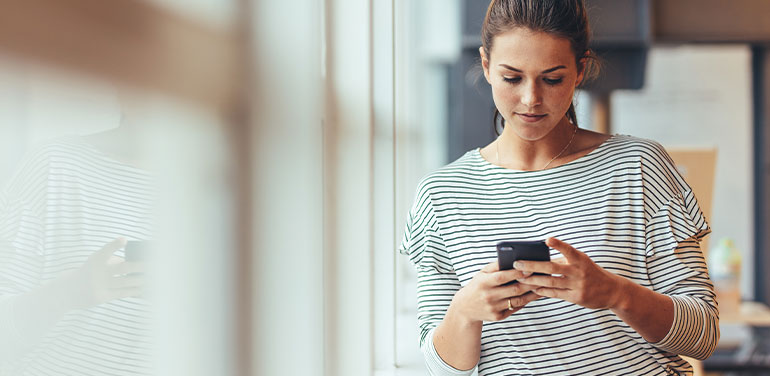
point(530, 95)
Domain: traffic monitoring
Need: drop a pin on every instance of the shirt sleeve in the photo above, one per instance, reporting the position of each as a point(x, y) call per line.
point(675, 225)
point(437, 281)
point(22, 226)
point(695, 330)
point(435, 292)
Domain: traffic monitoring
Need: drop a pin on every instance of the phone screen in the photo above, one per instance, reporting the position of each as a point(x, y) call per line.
point(136, 250)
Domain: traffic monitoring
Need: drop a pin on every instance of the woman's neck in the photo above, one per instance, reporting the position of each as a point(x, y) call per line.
point(513, 152)
point(124, 143)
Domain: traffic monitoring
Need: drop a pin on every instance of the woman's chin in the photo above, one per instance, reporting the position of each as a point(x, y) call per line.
point(531, 133)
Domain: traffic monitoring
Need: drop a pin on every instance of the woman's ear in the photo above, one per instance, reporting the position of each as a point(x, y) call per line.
point(581, 71)
point(484, 64)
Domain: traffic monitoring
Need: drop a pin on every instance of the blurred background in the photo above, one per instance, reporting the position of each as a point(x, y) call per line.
point(265, 155)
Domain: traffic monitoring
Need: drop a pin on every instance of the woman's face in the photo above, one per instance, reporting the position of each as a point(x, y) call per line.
point(533, 77)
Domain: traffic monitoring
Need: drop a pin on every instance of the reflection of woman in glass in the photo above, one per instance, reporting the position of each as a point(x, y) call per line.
point(631, 292)
point(68, 304)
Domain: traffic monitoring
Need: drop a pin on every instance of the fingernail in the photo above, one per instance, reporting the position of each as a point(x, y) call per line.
point(517, 265)
point(527, 274)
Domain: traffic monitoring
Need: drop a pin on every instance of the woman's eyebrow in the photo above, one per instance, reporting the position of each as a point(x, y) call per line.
point(549, 70)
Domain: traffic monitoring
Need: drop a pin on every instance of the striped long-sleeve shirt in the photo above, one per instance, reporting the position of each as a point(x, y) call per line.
point(624, 204)
point(67, 201)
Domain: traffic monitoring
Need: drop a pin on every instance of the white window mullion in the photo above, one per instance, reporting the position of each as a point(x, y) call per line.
point(348, 180)
point(384, 257)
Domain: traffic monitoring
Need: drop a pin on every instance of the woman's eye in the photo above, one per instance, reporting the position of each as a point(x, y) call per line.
point(553, 81)
point(512, 80)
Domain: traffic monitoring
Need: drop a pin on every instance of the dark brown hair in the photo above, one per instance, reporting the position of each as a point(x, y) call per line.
point(566, 19)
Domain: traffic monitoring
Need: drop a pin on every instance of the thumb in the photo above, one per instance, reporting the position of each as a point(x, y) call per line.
point(103, 255)
point(491, 267)
point(570, 253)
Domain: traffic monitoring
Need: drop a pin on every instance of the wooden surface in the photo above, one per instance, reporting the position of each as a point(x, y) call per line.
point(711, 20)
point(130, 42)
point(749, 313)
point(697, 166)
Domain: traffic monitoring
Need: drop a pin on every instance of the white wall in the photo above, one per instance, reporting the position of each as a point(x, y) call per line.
point(701, 96)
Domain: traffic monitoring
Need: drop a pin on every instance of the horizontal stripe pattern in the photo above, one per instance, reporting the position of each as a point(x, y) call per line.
point(67, 201)
point(623, 204)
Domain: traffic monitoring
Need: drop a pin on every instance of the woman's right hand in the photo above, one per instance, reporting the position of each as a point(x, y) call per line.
point(486, 296)
point(104, 277)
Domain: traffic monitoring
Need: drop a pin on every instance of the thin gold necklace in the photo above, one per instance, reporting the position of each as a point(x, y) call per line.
point(497, 151)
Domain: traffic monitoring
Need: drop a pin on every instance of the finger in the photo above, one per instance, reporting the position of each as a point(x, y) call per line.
point(553, 293)
point(525, 287)
point(502, 293)
point(136, 280)
point(517, 302)
point(491, 267)
point(570, 253)
point(115, 260)
point(502, 314)
point(126, 267)
point(502, 277)
point(517, 289)
point(546, 281)
point(502, 306)
point(560, 260)
point(512, 275)
point(547, 267)
point(523, 300)
point(132, 292)
point(507, 312)
point(103, 255)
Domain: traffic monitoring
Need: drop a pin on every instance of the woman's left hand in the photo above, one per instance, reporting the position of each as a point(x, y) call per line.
point(578, 279)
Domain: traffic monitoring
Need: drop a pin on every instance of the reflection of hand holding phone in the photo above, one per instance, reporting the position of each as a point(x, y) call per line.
point(510, 251)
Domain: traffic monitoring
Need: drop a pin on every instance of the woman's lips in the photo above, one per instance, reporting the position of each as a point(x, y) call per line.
point(530, 118)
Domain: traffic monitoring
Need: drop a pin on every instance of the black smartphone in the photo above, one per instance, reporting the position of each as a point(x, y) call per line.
point(510, 251)
point(136, 250)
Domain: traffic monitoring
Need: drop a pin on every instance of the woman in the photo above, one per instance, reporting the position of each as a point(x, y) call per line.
point(627, 290)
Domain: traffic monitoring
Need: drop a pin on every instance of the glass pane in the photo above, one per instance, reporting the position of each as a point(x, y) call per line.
point(116, 240)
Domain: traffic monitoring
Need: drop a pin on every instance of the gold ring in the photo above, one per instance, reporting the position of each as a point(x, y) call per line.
point(510, 307)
